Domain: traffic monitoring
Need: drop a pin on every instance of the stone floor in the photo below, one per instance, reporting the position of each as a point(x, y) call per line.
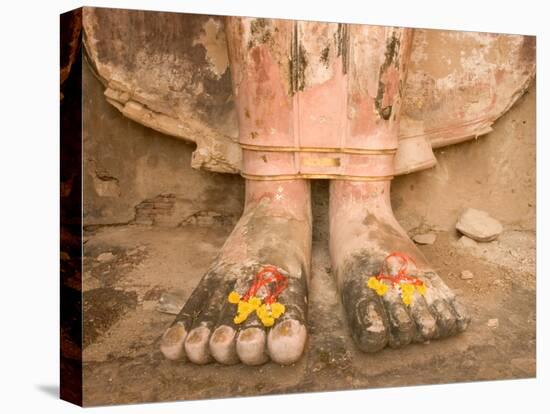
point(128, 268)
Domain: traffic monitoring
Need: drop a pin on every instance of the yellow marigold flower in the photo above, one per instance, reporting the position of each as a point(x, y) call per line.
point(381, 289)
point(277, 309)
point(262, 311)
point(268, 321)
point(240, 318)
point(234, 297)
point(421, 289)
point(407, 289)
point(244, 308)
point(407, 299)
point(255, 302)
point(373, 283)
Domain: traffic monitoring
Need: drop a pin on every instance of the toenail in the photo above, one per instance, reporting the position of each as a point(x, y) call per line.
point(173, 334)
point(194, 337)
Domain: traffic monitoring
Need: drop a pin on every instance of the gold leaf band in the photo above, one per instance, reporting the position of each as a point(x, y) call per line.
point(358, 151)
point(315, 177)
point(321, 162)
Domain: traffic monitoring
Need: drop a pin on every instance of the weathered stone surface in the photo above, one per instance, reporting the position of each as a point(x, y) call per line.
point(478, 225)
point(126, 164)
point(102, 308)
point(466, 275)
point(526, 365)
point(427, 238)
point(174, 77)
point(105, 257)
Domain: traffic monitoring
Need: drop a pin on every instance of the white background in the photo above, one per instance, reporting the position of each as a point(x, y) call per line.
point(29, 211)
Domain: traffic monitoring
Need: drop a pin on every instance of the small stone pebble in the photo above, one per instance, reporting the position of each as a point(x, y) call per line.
point(170, 303)
point(105, 257)
point(492, 323)
point(428, 238)
point(478, 225)
point(465, 241)
point(466, 275)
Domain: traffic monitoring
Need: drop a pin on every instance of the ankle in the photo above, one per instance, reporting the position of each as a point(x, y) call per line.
point(360, 196)
point(281, 196)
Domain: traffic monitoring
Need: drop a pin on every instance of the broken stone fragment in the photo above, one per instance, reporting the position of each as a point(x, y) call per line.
point(171, 303)
point(105, 257)
point(492, 323)
point(427, 238)
point(466, 275)
point(478, 225)
point(465, 241)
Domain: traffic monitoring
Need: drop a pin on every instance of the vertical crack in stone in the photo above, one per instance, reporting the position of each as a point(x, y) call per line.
point(342, 44)
point(391, 57)
point(297, 63)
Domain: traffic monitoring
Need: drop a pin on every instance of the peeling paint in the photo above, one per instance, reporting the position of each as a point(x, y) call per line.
point(458, 83)
point(391, 58)
point(343, 45)
point(212, 38)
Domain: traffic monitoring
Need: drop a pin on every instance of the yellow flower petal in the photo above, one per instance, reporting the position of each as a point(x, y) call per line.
point(234, 297)
point(381, 289)
point(244, 307)
point(373, 283)
point(407, 288)
point(277, 309)
point(262, 312)
point(255, 302)
point(407, 299)
point(268, 321)
point(240, 318)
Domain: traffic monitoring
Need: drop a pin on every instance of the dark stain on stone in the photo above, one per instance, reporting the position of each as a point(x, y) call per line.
point(259, 29)
point(391, 58)
point(528, 49)
point(264, 158)
point(342, 44)
point(199, 298)
point(297, 63)
point(385, 112)
point(153, 293)
point(324, 56)
point(247, 113)
point(369, 220)
point(302, 67)
point(212, 195)
point(103, 307)
point(355, 293)
point(253, 135)
point(128, 35)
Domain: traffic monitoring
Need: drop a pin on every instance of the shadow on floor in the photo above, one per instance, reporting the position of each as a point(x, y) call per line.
point(49, 389)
